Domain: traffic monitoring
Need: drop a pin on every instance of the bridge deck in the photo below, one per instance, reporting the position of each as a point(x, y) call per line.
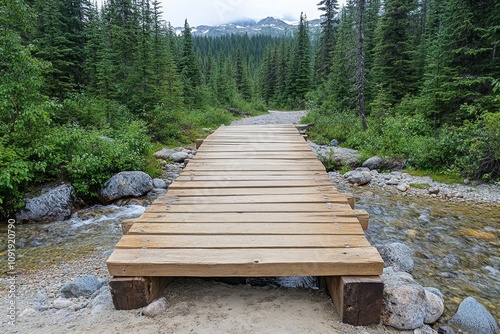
point(255, 201)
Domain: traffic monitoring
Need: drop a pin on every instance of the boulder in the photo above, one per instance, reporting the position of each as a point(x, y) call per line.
point(358, 177)
point(425, 329)
point(156, 308)
point(334, 143)
point(159, 184)
point(473, 317)
point(398, 256)
point(393, 182)
point(404, 304)
point(164, 154)
point(374, 163)
point(126, 184)
point(82, 286)
point(433, 190)
point(434, 307)
point(54, 205)
point(179, 156)
point(403, 187)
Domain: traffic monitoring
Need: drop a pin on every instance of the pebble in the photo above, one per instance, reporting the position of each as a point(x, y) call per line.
point(62, 303)
point(29, 312)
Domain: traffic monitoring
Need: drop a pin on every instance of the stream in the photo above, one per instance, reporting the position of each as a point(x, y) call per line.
point(456, 246)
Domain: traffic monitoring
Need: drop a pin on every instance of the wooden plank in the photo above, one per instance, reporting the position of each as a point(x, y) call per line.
point(358, 300)
point(297, 173)
point(196, 166)
point(131, 293)
point(310, 198)
point(342, 209)
point(211, 228)
point(304, 155)
point(247, 184)
point(257, 262)
point(252, 191)
point(247, 217)
point(241, 241)
point(254, 148)
point(199, 142)
point(294, 178)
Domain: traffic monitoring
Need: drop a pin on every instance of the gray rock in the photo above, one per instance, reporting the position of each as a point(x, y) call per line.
point(433, 190)
point(164, 154)
point(473, 317)
point(435, 291)
point(398, 256)
point(126, 184)
point(54, 205)
point(425, 329)
point(403, 187)
point(29, 312)
point(446, 330)
point(466, 181)
point(334, 143)
point(41, 298)
point(374, 163)
point(156, 308)
point(82, 286)
point(434, 307)
point(358, 177)
point(404, 302)
point(63, 303)
point(393, 182)
point(159, 184)
point(179, 156)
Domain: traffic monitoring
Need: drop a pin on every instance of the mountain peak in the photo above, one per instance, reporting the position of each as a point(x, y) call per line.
point(269, 26)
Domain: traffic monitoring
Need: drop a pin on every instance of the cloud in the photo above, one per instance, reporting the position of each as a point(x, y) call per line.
point(199, 12)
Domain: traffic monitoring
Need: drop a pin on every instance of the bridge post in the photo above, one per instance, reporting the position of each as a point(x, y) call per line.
point(130, 293)
point(358, 299)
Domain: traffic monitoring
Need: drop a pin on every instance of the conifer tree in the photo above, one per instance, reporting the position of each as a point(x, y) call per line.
point(323, 60)
point(394, 69)
point(299, 73)
point(189, 68)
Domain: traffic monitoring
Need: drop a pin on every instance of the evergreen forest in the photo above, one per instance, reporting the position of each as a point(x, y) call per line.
point(88, 91)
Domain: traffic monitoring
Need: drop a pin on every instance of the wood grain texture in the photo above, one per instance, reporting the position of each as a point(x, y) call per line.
point(245, 262)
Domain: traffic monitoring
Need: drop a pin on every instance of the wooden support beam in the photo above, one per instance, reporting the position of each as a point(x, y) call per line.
point(199, 142)
point(126, 225)
point(130, 293)
point(358, 299)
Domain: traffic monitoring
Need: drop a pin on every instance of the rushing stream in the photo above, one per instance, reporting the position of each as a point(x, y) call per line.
point(456, 246)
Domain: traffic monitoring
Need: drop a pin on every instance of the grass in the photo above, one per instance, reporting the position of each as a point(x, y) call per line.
point(441, 177)
point(420, 185)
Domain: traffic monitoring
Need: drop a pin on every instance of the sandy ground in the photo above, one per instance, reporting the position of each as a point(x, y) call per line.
point(195, 305)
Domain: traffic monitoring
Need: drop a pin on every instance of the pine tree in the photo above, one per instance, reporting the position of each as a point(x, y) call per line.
point(323, 60)
point(341, 94)
point(394, 69)
point(60, 39)
point(189, 68)
point(299, 73)
point(242, 76)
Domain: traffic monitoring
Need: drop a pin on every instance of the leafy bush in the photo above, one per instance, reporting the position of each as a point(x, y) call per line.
point(480, 148)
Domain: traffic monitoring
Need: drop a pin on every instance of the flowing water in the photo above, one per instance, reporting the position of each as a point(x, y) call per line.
point(456, 245)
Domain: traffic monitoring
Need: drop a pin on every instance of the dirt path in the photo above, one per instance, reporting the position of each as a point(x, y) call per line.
point(273, 117)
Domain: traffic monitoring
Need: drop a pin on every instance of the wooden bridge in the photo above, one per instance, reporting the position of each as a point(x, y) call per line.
point(255, 202)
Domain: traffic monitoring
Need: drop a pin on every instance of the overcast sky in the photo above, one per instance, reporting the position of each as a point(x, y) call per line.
point(212, 12)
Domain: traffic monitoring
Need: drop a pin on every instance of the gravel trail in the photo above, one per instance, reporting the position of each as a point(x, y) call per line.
point(274, 117)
